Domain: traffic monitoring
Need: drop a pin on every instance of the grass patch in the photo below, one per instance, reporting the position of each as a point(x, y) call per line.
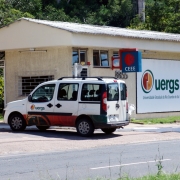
point(159, 177)
point(165, 120)
point(149, 177)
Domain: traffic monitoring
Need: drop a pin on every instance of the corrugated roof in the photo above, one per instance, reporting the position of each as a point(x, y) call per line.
point(107, 30)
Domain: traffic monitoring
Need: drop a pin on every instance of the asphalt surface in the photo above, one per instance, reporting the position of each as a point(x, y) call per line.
point(59, 153)
point(111, 162)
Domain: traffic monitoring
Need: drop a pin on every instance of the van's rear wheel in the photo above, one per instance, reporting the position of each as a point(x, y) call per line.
point(43, 128)
point(17, 122)
point(108, 130)
point(84, 127)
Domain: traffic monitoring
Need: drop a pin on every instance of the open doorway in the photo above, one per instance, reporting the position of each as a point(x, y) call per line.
point(2, 80)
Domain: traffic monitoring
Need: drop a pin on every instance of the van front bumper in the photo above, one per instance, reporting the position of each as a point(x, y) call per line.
point(111, 125)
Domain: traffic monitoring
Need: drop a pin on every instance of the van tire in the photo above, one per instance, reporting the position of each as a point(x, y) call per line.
point(17, 122)
point(84, 127)
point(43, 128)
point(108, 130)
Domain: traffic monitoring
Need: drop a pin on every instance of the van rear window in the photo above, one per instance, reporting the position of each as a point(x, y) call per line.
point(112, 92)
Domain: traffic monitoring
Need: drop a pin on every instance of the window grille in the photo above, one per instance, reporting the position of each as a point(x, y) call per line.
point(29, 83)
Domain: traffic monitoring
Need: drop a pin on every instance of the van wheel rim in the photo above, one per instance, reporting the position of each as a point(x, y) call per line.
point(16, 123)
point(84, 128)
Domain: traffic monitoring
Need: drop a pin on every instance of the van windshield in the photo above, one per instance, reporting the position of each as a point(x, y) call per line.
point(112, 92)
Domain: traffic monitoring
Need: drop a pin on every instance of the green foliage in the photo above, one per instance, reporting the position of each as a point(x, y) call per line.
point(166, 120)
point(1, 89)
point(161, 15)
point(53, 14)
point(27, 6)
point(100, 12)
point(9, 14)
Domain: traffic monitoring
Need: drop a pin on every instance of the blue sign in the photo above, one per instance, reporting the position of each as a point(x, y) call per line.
point(131, 61)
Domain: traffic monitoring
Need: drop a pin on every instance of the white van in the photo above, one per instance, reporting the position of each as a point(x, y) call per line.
point(86, 103)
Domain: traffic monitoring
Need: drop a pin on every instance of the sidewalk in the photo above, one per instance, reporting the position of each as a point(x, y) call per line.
point(175, 127)
point(161, 128)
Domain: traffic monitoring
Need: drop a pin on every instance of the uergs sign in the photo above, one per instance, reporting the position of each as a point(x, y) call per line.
point(158, 86)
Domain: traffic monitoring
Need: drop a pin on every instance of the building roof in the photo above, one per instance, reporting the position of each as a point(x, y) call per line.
point(107, 30)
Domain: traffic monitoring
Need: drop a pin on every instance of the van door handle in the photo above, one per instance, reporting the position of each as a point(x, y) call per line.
point(49, 105)
point(117, 105)
point(58, 105)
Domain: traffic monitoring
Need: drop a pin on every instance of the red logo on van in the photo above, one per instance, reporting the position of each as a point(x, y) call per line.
point(129, 59)
point(32, 107)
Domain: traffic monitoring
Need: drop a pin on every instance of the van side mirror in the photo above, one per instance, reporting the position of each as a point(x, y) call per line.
point(30, 98)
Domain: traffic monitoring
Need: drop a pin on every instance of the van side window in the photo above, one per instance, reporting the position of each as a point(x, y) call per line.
point(123, 91)
point(67, 92)
point(112, 92)
point(44, 93)
point(91, 92)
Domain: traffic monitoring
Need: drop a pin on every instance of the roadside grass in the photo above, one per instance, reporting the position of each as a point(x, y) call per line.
point(151, 177)
point(165, 120)
point(163, 176)
point(159, 177)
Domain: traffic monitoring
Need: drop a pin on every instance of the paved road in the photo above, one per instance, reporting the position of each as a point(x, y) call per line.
point(62, 154)
point(109, 161)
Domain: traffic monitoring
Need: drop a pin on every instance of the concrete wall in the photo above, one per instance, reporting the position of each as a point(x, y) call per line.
point(58, 62)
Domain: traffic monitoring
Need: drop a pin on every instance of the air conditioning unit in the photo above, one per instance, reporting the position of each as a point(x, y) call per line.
point(84, 72)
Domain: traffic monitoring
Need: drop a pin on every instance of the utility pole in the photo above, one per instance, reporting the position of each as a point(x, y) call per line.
point(141, 9)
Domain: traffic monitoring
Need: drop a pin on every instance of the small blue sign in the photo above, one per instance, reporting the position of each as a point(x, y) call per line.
point(131, 61)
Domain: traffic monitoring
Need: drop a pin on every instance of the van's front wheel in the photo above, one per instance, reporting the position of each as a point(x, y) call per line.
point(84, 127)
point(108, 130)
point(17, 122)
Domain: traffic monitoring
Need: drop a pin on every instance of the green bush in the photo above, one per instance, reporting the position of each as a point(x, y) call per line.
point(1, 89)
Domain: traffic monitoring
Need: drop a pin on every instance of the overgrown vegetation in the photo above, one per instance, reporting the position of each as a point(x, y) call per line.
point(1, 117)
point(160, 15)
point(100, 12)
point(165, 120)
point(1, 91)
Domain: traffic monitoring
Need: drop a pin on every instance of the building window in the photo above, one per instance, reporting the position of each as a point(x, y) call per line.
point(116, 61)
point(100, 58)
point(79, 56)
point(29, 83)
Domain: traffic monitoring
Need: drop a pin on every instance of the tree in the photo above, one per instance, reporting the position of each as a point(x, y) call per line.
point(1, 89)
point(161, 15)
point(100, 12)
point(8, 14)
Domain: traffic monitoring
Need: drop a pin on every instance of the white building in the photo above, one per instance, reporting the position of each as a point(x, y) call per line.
point(39, 50)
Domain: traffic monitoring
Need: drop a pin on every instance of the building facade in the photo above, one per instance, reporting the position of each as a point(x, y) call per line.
point(37, 51)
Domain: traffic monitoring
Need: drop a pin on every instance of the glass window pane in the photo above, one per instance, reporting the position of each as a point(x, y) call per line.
point(91, 92)
point(123, 91)
point(75, 57)
point(67, 92)
point(104, 58)
point(82, 57)
point(112, 92)
point(96, 61)
point(116, 61)
point(44, 93)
